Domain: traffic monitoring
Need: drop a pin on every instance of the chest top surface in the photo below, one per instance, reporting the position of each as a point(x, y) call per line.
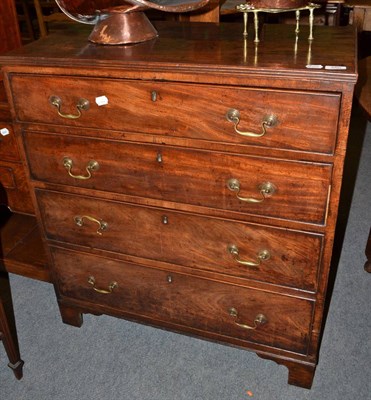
point(204, 47)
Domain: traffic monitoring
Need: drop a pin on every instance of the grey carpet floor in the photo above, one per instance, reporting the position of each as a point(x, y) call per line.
point(109, 359)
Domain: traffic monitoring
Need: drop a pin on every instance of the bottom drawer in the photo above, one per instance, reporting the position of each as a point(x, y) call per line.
point(228, 310)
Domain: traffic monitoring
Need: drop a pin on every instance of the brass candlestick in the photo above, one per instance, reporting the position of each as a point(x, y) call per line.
point(247, 8)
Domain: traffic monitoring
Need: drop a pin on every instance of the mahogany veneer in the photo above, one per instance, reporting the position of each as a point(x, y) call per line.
point(157, 206)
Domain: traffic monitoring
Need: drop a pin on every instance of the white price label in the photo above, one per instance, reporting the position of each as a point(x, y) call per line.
point(101, 100)
point(4, 131)
point(336, 67)
point(314, 66)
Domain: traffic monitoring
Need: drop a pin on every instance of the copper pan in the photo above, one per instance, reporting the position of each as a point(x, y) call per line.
point(85, 11)
point(122, 21)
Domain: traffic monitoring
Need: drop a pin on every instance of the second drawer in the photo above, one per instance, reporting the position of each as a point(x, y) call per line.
point(262, 253)
point(290, 190)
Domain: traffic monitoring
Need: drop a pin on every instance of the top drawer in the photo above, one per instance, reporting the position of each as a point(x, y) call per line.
point(301, 120)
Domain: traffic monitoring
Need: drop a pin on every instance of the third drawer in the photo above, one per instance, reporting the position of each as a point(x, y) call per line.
point(262, 253)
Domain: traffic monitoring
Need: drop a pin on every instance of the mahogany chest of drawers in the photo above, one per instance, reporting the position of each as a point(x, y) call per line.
point(191, 182)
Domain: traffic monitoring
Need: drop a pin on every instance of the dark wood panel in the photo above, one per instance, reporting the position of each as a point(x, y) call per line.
point(14, 229)
point(3, 99)
point(9, 29)
point(13, 177)
point(8, 144)
point(14, 181)
point(28, 258)
point(5, 116)
point(21, 248)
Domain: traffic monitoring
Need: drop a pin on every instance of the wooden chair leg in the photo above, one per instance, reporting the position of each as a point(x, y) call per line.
point(40, 19)
point(8, 332)
point(27, 18)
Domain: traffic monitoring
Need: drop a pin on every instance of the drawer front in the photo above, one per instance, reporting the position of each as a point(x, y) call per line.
point(250, 251)
point(8, 145)
point(304, 121)
point(7, 177)
point(186, 301)
point(199, 178)
point(17, 195)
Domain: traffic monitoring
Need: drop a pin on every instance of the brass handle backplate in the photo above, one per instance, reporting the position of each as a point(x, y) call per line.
point(263, 255)
point(102, 225)
point(260, 319)
point(266, 189)
point(91, 166)
point(82, 105)
point(111, 286)
point(234, 116)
